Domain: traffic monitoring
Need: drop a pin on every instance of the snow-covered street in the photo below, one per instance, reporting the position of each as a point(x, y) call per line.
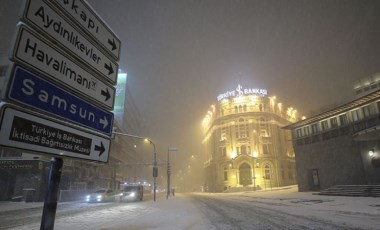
point(276, 209)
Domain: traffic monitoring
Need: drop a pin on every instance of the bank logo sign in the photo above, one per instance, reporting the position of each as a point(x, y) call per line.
point(241, 91)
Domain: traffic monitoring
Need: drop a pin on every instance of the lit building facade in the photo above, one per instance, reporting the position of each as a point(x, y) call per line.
point(340, 146)
point(244, 145)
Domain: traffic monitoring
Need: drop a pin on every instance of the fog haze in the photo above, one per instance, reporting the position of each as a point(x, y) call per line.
point(180, 54)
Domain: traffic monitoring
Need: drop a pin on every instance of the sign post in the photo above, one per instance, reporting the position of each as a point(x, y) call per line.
point(51, 195)
point(62, 85)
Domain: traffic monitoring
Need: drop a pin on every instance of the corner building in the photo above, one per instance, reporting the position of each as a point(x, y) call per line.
point(244, 145)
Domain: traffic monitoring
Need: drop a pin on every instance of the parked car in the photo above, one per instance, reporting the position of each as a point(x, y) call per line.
point(132, 193)
point(101, 195)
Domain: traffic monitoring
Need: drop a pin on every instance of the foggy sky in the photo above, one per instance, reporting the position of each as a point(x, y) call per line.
point(180, 54)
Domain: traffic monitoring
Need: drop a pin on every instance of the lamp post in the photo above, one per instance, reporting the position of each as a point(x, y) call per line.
point(170, 149)
point(155, 168)
point(254, 156)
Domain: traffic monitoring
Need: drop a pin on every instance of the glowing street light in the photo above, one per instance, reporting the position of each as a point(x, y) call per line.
point(155, 168)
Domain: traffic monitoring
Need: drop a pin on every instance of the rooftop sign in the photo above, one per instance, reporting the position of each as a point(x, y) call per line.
point(241, 91)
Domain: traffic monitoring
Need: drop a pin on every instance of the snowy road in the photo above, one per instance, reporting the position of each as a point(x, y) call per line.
point(243, 214)
point(283, 209)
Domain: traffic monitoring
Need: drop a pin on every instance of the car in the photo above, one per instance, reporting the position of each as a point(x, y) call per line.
point(132, 193)
point(101, 195)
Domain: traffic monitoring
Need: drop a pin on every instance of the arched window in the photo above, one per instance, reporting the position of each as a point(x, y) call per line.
point(223, 132)
point(242, 128)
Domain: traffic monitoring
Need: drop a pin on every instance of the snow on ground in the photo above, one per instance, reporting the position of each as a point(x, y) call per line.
point(354, 212)
point(180, 212)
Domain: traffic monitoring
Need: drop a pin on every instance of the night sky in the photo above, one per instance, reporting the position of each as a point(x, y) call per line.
point(180, 54)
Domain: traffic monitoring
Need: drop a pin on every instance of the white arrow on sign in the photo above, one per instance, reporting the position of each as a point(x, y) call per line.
point(22, 130)
point(43, 17)
point(40, 55)
point(81, 13)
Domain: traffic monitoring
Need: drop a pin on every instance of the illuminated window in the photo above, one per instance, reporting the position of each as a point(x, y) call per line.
point(240, 108)
point(236, 109)
point(245, 108)
point(266, 148)
point(368, 111)
point(242, 129)
point(223, 132)
point(306, 131)
point(314, 128)
point(325, 125)
point(334, 122)
point(299, 133)
point(343, 119)
point(355, 115)
point(224, 151)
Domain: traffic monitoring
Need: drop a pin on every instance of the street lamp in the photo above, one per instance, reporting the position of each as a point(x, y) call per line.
point(170, 149)
point(155, 168)
point(254, 156)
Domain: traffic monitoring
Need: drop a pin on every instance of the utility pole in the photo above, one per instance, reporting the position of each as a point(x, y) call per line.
point(170, 149)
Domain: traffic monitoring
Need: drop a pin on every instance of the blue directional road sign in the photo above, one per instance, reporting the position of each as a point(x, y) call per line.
point(29, 89)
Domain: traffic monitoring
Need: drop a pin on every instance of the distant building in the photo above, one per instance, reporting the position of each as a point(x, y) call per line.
point(340, 146)
point(367, 85)
point(244, 145)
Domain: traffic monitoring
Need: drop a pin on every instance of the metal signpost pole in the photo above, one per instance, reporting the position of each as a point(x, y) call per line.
point(51, 196)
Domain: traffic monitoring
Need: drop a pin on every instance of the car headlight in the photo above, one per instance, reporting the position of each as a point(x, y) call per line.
point(132, 194)
point(88, 197)
point(99, 197)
